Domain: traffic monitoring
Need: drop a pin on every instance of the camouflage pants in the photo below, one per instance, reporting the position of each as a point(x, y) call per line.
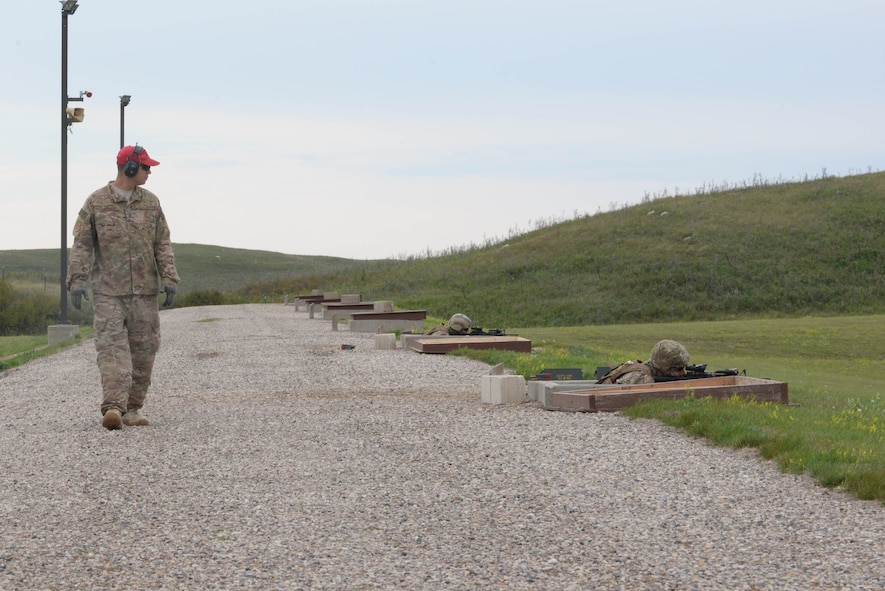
point(127, 338)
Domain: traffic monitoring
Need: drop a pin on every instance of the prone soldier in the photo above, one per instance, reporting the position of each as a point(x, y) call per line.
point(667, 359)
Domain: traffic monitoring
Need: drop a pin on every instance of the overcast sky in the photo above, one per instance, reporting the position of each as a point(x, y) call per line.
point(378, 128)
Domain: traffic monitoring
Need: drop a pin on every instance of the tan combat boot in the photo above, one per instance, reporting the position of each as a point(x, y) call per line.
point(112, 420)
point(133, 418)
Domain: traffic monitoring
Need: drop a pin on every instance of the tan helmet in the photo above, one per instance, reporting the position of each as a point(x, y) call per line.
point(459, 323)
point(667, 354)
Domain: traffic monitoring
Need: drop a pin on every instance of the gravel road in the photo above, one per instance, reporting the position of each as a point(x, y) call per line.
point(277, 460)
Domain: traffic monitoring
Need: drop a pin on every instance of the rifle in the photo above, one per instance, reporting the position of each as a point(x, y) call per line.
point(698, 371)
point(477, 331)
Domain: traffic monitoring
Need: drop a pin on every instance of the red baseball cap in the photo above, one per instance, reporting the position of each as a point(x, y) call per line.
point(129, 153)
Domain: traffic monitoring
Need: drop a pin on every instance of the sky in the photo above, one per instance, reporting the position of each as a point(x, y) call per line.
point(370, 129)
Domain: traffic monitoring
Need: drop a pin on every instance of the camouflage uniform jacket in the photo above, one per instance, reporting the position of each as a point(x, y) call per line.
point(442, 329)
point(631, 372)
point(122, 247)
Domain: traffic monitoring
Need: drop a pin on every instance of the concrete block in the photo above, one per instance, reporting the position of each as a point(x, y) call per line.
point(58, 333)
point(385, 341)
point(502, 389)
point(535, 389)
point(384, 306)
point(351, 298)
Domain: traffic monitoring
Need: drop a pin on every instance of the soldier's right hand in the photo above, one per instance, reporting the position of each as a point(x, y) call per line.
point(77, 295)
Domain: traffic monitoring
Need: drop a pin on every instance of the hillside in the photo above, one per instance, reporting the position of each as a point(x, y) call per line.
point(788, 249)
point(202, 267)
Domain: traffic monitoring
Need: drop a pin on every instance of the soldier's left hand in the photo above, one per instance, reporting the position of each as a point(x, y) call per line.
point(78, 294)
point(170, 295)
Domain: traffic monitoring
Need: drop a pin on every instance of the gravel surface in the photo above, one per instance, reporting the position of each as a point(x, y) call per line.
point(277, 460)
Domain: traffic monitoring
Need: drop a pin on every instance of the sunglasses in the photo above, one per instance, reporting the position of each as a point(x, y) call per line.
point(145, 168)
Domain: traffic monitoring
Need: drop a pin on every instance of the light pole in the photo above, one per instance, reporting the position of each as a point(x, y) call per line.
point(68, 7)
point(124, 102)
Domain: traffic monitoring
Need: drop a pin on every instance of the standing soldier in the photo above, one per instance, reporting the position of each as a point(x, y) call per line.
point(122, 248)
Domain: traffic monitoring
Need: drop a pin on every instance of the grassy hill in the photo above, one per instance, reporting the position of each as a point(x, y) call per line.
point(788, 249)
point(773, 249)
point(202, 267)
point(227, 269)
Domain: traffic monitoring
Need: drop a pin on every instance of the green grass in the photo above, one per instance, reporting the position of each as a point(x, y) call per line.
point(18, 350)
point(16, 345)
point(834, 429)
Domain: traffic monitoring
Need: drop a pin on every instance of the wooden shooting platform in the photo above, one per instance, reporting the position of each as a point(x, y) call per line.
point(400, 315)
point(387, 321)
point(361, 306)
point(315, 299)
point(446, 344)
point(614, 397)
point(342, 311)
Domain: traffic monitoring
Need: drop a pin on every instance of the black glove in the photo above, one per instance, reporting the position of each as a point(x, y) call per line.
point(77, 295)
point(170, 295)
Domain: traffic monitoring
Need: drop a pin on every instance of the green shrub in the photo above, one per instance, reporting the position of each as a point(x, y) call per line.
point(25, 312)
point(211, 297)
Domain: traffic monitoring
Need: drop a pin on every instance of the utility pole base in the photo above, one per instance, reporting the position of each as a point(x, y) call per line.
point(59, 333)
